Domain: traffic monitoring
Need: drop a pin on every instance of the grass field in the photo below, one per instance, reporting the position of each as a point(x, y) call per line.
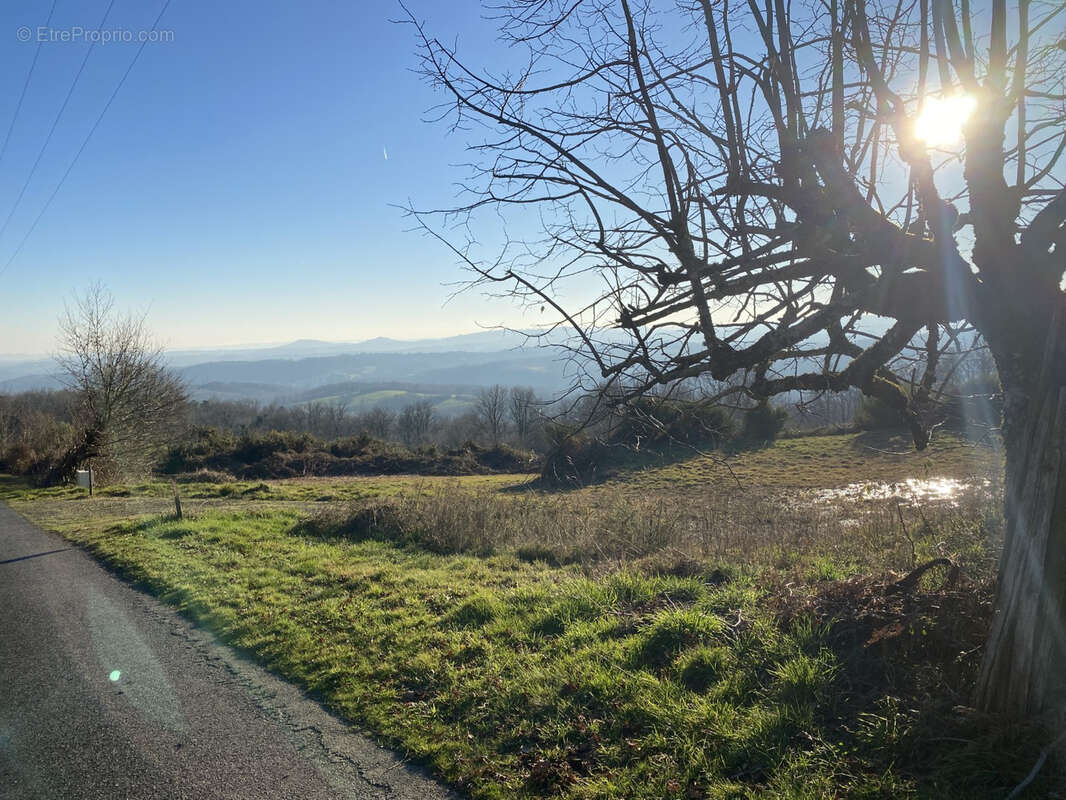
point(689, 629)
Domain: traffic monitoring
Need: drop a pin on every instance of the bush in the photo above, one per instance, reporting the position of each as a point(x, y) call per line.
point(575, 457)
point(351, 446)
point(36, 443)
point(274, 454)
point(669, 421)
point(876, 414)
point(255, 447)
point(763, 424)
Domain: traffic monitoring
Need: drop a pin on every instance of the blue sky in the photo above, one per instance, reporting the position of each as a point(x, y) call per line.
point(237, 188)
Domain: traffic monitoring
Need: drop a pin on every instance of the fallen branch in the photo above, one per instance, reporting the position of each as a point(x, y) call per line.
point(907, 584)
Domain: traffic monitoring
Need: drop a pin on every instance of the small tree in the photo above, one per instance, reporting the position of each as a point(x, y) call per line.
point(523, 411)
point(414, 423)
point(491, 408)
point(378, 422)
point(127, 402)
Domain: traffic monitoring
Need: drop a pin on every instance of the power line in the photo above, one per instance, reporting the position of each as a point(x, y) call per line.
point(55, 123)
point(88, 136)
point(26, 85)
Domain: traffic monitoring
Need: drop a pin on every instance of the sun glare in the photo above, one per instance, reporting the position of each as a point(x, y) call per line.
point(941, 119)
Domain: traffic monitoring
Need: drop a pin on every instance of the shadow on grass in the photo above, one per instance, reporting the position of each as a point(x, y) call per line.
point(907, 668)
point(601, 463)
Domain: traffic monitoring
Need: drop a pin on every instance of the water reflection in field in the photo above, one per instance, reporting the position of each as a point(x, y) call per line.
point(940, 491)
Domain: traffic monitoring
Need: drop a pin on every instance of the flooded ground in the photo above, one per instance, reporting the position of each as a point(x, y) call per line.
point(938, 491)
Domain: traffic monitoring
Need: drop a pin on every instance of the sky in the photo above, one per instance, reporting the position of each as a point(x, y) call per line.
point(241, 186)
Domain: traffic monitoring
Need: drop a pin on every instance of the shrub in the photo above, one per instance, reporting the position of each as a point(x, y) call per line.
point(351, 446)
point(32, 440)
point(876, 414)
point(575, 458)
point(670, 421)
point(763, 423)
point(272, 454)
point(256, 447)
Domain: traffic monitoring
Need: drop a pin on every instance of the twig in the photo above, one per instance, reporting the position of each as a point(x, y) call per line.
point(907, 534)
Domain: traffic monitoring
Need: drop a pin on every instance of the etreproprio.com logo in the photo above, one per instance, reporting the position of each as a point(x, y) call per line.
point(77, 34)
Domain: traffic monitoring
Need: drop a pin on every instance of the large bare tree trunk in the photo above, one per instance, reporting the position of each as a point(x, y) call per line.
point(1024, 669)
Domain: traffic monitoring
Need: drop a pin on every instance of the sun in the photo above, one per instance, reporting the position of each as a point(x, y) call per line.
point(941, 119)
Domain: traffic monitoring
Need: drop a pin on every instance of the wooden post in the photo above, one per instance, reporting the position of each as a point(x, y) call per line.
point(90, 479)
point(177, 502)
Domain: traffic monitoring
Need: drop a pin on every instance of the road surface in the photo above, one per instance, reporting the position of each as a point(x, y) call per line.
point(106, 693)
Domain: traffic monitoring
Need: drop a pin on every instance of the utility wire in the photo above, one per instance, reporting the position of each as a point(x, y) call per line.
point(55, 123)
point(85, 142)
point(26, 85)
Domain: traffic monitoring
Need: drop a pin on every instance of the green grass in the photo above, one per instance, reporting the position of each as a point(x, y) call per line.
point(302, 490)
point(513, 679)
point(588, 644)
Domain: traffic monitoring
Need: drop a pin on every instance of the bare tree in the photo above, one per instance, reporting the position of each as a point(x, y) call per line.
point(459, 430)
point(762, 191)
point(491, 408)
point(378, 422)
point(523, 411)
point(127, 402)
point(414, 422)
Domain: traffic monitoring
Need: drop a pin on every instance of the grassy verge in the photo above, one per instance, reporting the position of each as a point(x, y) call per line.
point(486, 634)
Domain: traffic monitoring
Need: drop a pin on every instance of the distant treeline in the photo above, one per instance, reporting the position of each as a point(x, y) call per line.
point(510, 429)
point(500, 415)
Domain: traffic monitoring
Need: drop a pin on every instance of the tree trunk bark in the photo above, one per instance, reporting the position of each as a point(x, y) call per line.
point(1024, 667)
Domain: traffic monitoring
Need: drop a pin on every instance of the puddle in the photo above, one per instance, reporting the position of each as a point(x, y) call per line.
point(912, 491)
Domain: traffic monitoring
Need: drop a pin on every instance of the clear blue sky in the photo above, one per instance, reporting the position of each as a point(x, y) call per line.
point(237, 189)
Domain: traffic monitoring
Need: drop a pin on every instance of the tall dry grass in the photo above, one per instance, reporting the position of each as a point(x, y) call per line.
point(774, 528)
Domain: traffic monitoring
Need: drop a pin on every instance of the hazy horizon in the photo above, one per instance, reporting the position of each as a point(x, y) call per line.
point(264, 345)
point(242, 346)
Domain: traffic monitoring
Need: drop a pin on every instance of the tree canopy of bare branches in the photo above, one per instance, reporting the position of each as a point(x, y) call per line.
point(491, 408)
point(522, 408)
point(732, 187)
point(127, 402)
point(414, 422)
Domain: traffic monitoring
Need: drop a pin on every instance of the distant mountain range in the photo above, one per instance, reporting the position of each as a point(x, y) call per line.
point(448, 371)
point(390, 370)
point(480, 342)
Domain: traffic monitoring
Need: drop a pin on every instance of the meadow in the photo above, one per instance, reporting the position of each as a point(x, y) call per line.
point(751, 624)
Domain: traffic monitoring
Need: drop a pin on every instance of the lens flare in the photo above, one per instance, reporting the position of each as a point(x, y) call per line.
point(942, 118)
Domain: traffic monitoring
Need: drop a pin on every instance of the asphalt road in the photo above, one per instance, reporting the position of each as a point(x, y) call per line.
point(106, 693)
